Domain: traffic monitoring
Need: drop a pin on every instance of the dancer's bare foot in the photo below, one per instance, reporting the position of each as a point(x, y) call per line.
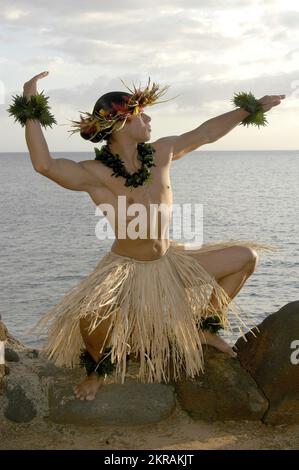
point(87, 389)
point(214, 340)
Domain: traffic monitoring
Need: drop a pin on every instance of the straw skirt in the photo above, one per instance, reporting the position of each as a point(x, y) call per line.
point(155, 308)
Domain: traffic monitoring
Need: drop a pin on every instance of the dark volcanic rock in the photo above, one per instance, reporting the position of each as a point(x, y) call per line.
point(272, 359)
point(124, 404)
point(33, 354)
point(20, 409)
point(11, 355)
point(224, 392)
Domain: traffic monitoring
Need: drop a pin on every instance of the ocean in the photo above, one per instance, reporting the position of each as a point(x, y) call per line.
point(48, 241)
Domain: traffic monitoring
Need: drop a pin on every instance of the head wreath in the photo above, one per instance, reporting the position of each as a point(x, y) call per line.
point(108, 121)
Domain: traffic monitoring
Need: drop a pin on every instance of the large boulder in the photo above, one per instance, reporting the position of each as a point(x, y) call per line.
point(25, 395)
point(121, 404)
point(272, 359)
point(36, 388)
point(224, 392)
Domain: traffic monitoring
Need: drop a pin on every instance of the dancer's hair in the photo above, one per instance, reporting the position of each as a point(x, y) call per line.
point(105, 102)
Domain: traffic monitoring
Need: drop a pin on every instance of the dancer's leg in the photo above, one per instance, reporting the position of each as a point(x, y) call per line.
point(233, 283)
point(94, 342)
point(231, 267)
point(225, 261)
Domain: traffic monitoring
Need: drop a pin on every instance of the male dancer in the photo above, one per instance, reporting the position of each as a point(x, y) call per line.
point(230, 266)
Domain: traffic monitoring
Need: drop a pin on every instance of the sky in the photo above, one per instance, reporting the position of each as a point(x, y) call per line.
point(205, 50)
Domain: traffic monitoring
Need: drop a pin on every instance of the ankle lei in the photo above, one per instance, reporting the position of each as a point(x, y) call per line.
point(104, 367)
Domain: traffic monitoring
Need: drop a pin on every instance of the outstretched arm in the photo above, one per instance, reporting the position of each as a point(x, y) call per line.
point(67, 173)
point(213, 129)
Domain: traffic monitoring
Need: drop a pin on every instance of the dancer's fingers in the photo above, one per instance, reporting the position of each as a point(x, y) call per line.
point(40, 75)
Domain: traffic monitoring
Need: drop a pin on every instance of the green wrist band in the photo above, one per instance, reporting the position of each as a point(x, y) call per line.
point(36, 107)
point(248, 102)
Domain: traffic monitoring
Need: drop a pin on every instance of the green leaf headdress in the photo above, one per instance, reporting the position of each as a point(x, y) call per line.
point(104, 120)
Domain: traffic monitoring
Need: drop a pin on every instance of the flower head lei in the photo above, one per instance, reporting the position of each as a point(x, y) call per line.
point(109, 121)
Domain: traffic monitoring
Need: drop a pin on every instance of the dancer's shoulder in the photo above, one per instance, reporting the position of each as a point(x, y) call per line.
point(164, 148)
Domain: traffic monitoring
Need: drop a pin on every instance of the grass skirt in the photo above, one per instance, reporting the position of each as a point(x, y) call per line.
point(154, 306)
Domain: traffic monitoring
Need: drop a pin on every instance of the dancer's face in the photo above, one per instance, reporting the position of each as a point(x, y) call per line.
point(138, 127)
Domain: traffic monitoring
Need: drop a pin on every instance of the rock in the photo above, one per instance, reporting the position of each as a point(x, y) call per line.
point(20, 409)
point(272, 359)
point(3, 331)
point(2, 374)
point(262, 384)
point(3, 338)
point(224, 392)
point(11, 355)
point(33, 354)
point(25, 394)
point(37, 388)
point(122, 404)
point(46, 369)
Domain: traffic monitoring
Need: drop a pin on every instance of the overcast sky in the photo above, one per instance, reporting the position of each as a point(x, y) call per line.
point(204, 49)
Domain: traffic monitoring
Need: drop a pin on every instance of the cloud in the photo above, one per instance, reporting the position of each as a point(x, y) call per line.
point(286, 19)
point(205, 50)
point(191, 95)
point(78, 6)
point(13, 14)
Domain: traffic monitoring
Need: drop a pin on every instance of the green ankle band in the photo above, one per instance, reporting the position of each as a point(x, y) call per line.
point(104, 367)
point(211, 323)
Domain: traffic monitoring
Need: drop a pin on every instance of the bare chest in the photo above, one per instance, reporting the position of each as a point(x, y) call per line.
point(157, 191)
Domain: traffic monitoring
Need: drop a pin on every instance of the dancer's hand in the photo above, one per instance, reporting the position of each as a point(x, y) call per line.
point(30, 87)
point(269, 101)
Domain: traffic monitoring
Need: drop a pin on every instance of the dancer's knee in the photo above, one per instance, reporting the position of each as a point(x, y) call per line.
point(252, 260)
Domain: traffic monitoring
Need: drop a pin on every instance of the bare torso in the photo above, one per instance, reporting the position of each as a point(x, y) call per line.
point(156, 192)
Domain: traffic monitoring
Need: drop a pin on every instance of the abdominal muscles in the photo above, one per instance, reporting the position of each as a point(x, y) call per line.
point(143, 236)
